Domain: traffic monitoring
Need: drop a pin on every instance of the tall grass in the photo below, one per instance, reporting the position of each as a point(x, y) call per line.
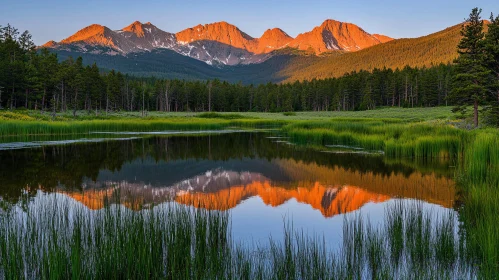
point(479, 178)
point(16, 128)
point(55, 239)
point(36, 122)
point(394, 138)
point(230, 116)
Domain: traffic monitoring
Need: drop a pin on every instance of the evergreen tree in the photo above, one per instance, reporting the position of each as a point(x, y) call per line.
point(471, 74)
point(26, 42)
point(492, 48)
point(367, 101)
point(47, 66)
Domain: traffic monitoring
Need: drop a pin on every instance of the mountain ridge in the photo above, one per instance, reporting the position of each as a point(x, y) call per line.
point(286, 64)
point(281, 65)
point(219, 42)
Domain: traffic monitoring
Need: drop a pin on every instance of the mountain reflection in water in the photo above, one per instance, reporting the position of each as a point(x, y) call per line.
point(219, 172)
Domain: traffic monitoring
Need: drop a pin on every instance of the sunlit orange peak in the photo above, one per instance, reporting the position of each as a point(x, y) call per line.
point(87, 32)
point(49, 44)
point(136, 28)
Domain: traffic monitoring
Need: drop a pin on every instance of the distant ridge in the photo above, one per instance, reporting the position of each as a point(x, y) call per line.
point(433, 49)
point(218, 43)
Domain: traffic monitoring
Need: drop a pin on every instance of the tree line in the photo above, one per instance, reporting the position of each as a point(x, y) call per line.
point(35, 79)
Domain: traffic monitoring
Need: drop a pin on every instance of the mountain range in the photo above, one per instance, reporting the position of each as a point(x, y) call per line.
point(218, 43)
point(221, 50)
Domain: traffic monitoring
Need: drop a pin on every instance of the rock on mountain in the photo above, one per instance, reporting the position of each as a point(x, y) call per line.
point(336, 36)
point(216, 43)
point(221, 32)
point(96, 35)
point(148, 37)
point(225, 43)
point(382, 38)
point(273, 39)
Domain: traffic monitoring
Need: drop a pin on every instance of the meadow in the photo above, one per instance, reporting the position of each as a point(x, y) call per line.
point(23, 122)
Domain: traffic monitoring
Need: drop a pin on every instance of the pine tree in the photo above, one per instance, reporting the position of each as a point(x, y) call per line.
point(367, 100)
point(26, 42)
point(492, 48)
point(77, 82)
point(47, 65)
point(471, 73)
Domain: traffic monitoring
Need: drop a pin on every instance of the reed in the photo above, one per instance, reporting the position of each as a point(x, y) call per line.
point(16, 128)
point(478, 178)
point(56, 239)
point(395, 139)
point(482, 158)
point(230, 116)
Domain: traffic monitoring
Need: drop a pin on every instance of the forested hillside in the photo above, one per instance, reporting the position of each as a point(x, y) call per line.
point(158, 63)
point(425, 51)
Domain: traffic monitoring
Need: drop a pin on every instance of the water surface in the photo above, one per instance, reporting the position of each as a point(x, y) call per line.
point(260, 177)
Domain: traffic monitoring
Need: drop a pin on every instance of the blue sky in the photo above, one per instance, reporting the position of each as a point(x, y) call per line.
point(57, 19)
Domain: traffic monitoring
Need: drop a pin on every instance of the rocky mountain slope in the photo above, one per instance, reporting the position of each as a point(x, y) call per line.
point(335, 35)
point(217, 43)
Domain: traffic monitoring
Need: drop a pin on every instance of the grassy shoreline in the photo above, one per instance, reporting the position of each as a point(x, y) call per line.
point(23, 122)
point(18, 128)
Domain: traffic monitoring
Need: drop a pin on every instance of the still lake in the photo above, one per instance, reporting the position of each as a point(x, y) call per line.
point(261, 178)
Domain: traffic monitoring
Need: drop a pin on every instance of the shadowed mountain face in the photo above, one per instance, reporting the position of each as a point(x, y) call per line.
point(217, 172)
point(218, 43)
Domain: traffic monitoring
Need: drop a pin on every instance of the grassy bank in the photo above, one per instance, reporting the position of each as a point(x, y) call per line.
point(67, 127)
point(56, 239)
point(406, 114)
point(38, 123)
point(397, 139)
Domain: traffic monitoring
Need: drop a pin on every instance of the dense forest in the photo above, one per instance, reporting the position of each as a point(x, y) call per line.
point(36, 79)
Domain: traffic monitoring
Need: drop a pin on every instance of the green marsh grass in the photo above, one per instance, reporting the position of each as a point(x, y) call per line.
point(406, 114)
point(16, 128)
point(479, 179)
point(35, 122)
point(475, 155)
point(395, 138)
point(56, 239)
point(228, 116)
